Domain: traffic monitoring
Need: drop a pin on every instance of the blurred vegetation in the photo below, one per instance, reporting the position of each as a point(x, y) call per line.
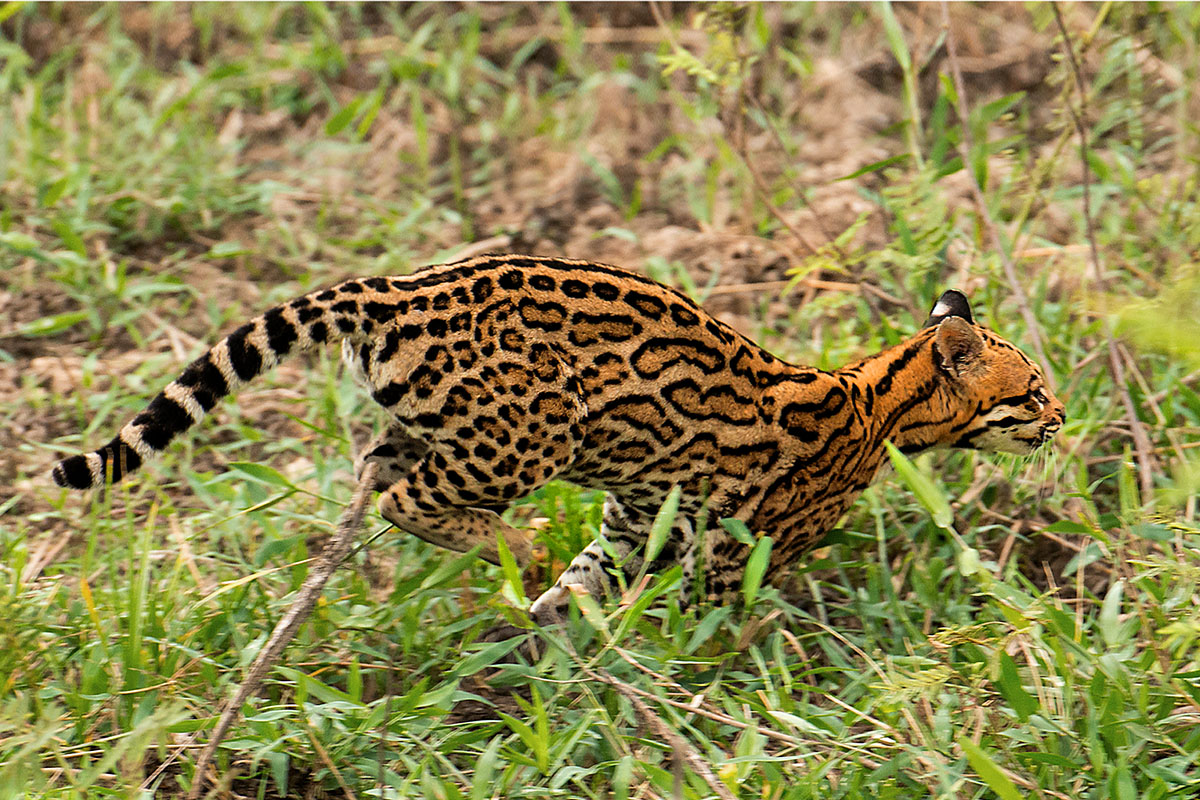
point(815, 174)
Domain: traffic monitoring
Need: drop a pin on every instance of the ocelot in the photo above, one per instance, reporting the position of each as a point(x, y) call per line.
point(501, 373)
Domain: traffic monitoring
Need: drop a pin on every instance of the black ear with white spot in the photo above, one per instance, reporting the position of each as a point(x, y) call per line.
point(952, 303)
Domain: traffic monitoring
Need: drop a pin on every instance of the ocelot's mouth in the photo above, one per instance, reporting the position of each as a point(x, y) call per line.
point(1037, 440)
point(1048, 433)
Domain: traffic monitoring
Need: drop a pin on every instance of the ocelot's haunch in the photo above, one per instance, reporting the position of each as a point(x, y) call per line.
point(501, 373)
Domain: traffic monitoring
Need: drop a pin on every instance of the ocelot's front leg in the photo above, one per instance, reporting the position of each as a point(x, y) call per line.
point(594, 570)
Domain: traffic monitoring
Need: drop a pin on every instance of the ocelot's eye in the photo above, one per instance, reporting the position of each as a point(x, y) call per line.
point(1040, 399)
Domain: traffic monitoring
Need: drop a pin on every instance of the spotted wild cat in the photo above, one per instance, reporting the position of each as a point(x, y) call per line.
point(502, 373)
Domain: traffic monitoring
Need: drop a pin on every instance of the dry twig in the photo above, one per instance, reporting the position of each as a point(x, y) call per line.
point(335, 552)
point(1137, 429)
point(964, 148)
point(682, 749)
point(738, 136)
point(773, 129)
point(698, 709)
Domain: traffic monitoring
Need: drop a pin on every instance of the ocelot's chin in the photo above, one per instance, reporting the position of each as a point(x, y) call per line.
point(1025, 447)
point(1016, 445)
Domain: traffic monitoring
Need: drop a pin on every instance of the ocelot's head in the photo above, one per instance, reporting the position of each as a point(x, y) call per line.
point(1004, 404)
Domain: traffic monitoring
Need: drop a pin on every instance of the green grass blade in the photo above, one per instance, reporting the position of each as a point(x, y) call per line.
point(986, 769)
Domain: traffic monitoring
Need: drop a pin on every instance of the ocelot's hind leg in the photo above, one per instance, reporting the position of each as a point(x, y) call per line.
point(395, 451)
point(520, 431)
point(429, 504)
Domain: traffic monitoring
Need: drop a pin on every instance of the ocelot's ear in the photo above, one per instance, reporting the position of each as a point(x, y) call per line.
point(952, 303)
point(957, 346)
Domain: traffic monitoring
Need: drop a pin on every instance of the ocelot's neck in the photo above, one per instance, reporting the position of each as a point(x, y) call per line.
point(905, 397)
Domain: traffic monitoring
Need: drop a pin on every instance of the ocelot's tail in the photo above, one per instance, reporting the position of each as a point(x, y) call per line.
point(328, 315)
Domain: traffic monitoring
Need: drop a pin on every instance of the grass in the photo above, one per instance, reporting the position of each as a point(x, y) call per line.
point(166, 171)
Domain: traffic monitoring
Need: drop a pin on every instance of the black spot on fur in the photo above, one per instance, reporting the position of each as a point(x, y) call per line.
point(574, 288)
point(161, 420)
point(512, 280)
point(205, 380)
point(684, 316)
point(719, 333)
point(73, 472)
point(481, 290)
point(606, 291)
point(243, 355)
point(385, 451)
point(281, 335)
point(391, 344)
point(511, 341)
point(307, 315)
point(649, 305)
point(380, 312)
point(390, 395)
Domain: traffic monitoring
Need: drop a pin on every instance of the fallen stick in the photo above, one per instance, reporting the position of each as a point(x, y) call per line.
point(331, 558)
